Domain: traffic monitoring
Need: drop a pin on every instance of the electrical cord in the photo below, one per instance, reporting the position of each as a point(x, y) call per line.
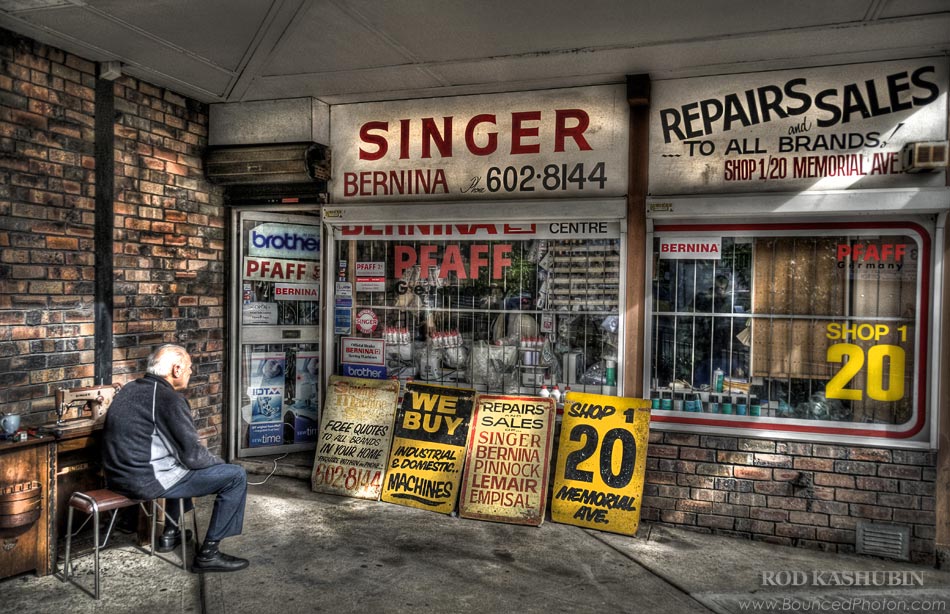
point(282, 456)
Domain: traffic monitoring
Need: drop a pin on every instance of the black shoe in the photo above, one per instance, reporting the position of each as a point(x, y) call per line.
point(218, 561)
point(171, 541)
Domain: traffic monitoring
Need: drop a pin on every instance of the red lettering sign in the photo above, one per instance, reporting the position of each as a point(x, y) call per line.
point(451, 260)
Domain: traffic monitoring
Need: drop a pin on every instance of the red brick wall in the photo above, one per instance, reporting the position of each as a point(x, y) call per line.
point(795, 494)
point(170, 243)
point(169, 233)
point(46, 224)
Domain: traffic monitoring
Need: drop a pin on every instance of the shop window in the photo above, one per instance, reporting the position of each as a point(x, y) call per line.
point(506, 315)
point(809, 329)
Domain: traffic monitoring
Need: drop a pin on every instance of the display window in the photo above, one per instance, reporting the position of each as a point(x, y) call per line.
point(795, 329)
point(505, 307)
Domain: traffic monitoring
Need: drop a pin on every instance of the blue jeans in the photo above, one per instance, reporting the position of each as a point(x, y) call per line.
point(228, 482)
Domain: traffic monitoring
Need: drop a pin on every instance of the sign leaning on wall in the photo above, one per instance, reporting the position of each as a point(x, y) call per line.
point(356, 431)
point(831, 128)
point(509, 454)
point(601, 462)
point(428, 451)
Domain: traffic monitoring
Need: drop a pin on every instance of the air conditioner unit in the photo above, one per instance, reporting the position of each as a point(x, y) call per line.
point(256, 164)
point(924, 156)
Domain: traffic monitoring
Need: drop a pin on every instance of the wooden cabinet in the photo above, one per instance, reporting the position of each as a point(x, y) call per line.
point(27, 496)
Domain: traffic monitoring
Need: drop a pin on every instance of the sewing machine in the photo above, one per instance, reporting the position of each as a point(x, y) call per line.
point(88, 404)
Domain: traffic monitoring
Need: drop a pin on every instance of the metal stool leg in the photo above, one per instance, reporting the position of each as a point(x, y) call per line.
point(95, 537)
point(184, 533)
point(69, 543)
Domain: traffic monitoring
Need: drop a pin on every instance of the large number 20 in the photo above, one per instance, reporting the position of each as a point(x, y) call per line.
point(628, 451)
point(876, 389)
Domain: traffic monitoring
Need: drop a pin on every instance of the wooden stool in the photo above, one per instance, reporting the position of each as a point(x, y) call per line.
point(94, 502)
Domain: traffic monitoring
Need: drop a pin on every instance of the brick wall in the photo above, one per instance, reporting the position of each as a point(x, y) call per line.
point(170, 244)
point(795, 494)
point(169, 251)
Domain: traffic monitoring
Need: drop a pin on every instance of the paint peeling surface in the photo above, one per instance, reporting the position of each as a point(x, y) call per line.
point(509, 455)
point(356, 432)
point(601, 463)
point(428, 451)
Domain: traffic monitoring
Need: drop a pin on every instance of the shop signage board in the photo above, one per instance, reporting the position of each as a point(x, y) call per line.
point(508, 461)
point(601, 462)
point(828, 128)
point(279, 269)
point(598, 229)
point(563, 143)
point(296, 292)
point(356, 431)
point(293, 241)
point(428, 451)
point(361, 351)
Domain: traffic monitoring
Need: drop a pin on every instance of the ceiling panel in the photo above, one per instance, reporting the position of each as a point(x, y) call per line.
point(340, 83)
point(217, 30)
point(461, 29)
point(110, 37)
point(323, 38)
point(361, 50)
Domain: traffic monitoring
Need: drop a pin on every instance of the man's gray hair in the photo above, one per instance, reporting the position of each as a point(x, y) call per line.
point(161, 361)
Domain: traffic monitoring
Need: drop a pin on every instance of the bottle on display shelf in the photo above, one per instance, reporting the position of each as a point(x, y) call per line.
point(556, 394)
point(544, 391)
point(718, 379)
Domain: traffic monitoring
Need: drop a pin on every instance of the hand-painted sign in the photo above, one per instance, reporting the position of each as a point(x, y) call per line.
point(428, 451)
point(825, 128)
point(355, 436)
point(509, 453)
point(601, 462)
point(565, 143)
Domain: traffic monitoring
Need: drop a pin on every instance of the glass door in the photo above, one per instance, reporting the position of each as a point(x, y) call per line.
point(275, 323)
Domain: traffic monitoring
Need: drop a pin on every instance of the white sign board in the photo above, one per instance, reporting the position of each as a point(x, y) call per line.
point(690, 248)
point(541, 144)
point(359, 351)
point(832, 128)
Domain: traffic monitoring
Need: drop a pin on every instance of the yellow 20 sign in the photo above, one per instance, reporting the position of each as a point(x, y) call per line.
point(886, 363)
point(601, 462)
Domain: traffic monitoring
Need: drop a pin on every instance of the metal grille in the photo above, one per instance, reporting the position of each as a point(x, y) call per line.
point(500, 333)
point(887, 540)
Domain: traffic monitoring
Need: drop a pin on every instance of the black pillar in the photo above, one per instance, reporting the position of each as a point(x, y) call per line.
point(105, 224)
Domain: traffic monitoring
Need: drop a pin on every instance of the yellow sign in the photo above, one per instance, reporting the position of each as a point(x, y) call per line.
point(356, 430)
point(428, 452)
point(509, 456)
point(601, 462)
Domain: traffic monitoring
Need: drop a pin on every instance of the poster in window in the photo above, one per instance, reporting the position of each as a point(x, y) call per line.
point(266, 394)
